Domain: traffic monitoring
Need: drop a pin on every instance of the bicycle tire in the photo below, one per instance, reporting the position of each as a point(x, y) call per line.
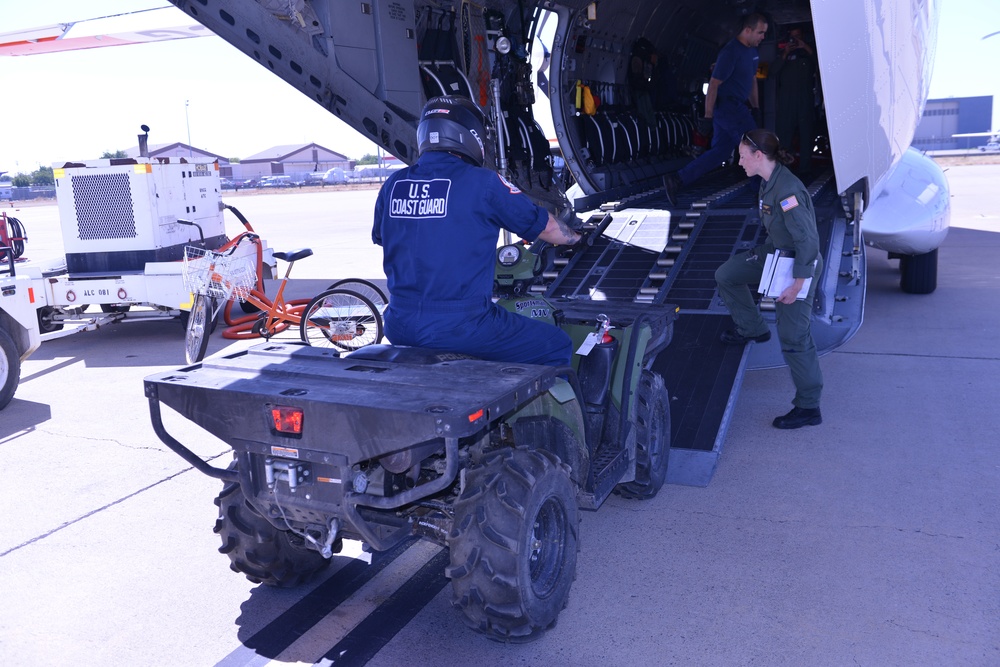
point(365, 288)
point(342, 319)
point(199, 326)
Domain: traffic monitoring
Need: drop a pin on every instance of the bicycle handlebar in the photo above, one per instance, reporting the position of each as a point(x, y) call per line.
point(239, 216)
point(253, 238)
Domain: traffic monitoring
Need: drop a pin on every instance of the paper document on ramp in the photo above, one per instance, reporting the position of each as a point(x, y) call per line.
point(777, 275)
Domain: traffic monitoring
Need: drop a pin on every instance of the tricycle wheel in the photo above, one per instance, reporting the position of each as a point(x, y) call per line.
point(513, 544)
point(341, 318)
point(198, 328)
point(652, 438)
point(10, 368)
point(265, 554)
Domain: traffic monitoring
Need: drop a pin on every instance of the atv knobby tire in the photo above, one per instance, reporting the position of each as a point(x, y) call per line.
point(514, 544)
point(652, 438)
point(265, 554)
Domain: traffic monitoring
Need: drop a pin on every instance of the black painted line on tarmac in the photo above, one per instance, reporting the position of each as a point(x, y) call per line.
point(369, 637)
point(297, 620)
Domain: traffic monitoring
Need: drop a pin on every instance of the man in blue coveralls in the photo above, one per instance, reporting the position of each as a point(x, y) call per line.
point(438, 222)
point(731, 104)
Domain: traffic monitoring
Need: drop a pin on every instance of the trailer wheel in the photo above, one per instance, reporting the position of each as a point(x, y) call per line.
point(10, 369)
point(513, 544)
point(46, 324)
point(198, 328)
point(652, 439)
point(265, 554)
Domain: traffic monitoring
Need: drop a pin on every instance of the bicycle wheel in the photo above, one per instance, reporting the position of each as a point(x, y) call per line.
point(365, 288)
point(198, 328)
point(341, 318)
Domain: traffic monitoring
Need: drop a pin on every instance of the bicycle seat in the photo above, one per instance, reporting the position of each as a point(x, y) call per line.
point(294, 255)
point(401, 354)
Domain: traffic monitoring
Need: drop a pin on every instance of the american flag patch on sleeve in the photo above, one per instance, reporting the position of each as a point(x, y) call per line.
point(788, 204)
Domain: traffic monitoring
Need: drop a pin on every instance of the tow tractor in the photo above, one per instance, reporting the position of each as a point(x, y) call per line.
point(19, 335)
point(125, 223)
point(492, 460)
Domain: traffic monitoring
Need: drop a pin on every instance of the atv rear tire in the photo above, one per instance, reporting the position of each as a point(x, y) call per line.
point(514, 544)
point(265, 554)
point(652, 439)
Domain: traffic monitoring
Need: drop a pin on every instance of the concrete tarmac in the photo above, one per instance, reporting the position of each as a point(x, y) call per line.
point(872, 539)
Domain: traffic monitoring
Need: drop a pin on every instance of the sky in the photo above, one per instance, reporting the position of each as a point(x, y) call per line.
point(76, 105)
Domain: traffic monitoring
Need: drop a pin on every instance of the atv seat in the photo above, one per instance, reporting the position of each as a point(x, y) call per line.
point(402, 354)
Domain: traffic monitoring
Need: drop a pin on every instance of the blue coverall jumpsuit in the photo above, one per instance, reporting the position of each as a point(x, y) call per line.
point(438, 222)
point(736, 67)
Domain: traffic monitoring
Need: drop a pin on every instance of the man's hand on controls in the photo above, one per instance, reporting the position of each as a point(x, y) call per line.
point(558, 232)
point(705, 126)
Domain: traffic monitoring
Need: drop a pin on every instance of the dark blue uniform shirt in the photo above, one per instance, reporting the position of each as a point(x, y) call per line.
point(736, 67)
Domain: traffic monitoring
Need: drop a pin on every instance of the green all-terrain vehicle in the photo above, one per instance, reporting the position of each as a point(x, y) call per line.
point(492, 460)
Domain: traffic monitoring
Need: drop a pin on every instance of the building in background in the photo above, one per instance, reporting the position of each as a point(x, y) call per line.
point(944, 118)
point(297, 161)
point(177, 151)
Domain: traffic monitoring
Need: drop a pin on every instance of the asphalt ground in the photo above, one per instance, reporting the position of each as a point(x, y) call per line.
point(872, 539)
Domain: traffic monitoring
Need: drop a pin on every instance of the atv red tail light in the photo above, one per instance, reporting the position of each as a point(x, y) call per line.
point(287, 420)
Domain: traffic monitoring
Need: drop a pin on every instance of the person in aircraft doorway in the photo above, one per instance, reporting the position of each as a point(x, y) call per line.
point(796, 98)
point(438, 222)
point(786, 211)
point(731, 104)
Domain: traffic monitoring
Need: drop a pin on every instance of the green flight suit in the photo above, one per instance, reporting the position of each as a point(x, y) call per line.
point(786, 210)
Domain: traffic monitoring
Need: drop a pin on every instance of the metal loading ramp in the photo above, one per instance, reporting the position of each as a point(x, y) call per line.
point(650, 254)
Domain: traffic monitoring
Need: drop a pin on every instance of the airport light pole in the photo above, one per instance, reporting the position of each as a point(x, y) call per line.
point(187, 120)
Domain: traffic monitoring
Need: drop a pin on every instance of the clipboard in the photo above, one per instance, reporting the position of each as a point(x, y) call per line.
point(777, 275)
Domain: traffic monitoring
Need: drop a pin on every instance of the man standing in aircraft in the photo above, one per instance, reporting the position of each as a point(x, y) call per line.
point(438, 222)
point(731, 104)
point(796, 103)
point(786, 211)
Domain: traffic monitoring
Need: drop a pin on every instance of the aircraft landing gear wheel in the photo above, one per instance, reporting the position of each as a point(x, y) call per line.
point(514, 543)
point(341, 318)
point(198, 328)
point(652, 439)
point(919, 272)
point(10, 369)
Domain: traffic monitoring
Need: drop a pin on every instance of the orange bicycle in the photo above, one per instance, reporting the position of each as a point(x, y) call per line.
point(337, 317)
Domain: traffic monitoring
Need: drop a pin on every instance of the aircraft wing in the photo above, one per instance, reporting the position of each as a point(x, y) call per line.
point(60, 37)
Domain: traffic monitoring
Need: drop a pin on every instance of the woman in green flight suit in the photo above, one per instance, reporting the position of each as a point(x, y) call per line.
point(786, 211)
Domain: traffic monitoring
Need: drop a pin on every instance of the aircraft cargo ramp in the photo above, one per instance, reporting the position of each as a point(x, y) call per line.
point(649, 254)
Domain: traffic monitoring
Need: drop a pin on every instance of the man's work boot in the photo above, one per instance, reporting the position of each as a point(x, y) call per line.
point(798, 418)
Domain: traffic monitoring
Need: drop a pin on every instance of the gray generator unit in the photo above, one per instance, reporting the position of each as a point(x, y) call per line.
point(117, 215)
